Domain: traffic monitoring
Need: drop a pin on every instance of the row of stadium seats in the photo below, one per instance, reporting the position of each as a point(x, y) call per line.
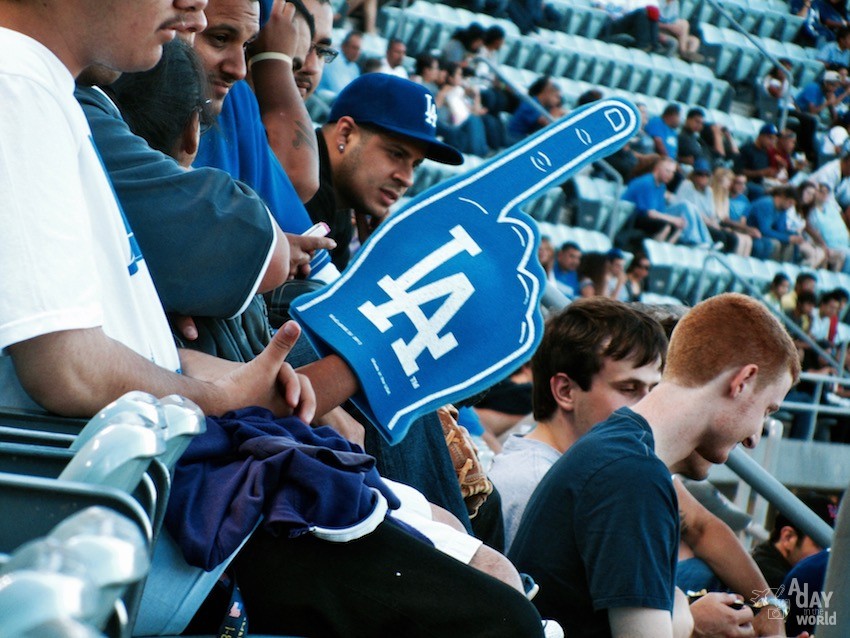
point(763, 18)
point(735, 58)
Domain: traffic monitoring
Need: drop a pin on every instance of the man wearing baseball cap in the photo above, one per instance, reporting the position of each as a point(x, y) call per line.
point(379, 130)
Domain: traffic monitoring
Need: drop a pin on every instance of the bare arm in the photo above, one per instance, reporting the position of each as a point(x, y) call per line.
point(634, 622)
point(77, 372)
point(279, 267)
point(288, 125)
point(714, 542)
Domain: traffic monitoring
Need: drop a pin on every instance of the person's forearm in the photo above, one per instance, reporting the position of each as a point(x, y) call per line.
point(77, 372)
point(333, 380)
point(288, 125)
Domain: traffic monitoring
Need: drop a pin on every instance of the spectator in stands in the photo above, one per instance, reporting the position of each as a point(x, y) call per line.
point(496, 97)
point(805, 282)
point(649, 195)
point(788, 545)
point(836, 53)
point(779, 287)
point(428, 73)
point(566, 267)
point(825, 226)
point(785, 157)
point(530, 15)
point(769, 215)
point(337, 76)
point(636, 275)
point(754, 160)
point(546, 257)
point(773, 89)
point(168, 105)
point(663, 130)
point(832, 15)
point(379, 129)
point(813, 251)
point(820, 101)
point(615, 571)
point(615, 274)
point(671, 22)
point(721, 184)
point(464, 44)
point(738, 200)
point(368, 9)
point(632, 24)
point(803, 310)
point(393, 62)
point(696, 193)
point(459, 113)
point(812, 30)
point(596, 356)
point(504, 407)
point(804, 612)
point(372, 65)
point(496, 8)
point(836, 174)
point(320, 53)
point(529, 118)
point(825, 322)
point(691, 146)
point(253, 138)
point(593, 274)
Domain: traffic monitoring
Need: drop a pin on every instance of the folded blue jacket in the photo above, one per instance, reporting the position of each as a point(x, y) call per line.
point(249, 465)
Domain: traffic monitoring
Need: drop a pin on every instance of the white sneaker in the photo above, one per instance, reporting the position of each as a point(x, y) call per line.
point(551, 629)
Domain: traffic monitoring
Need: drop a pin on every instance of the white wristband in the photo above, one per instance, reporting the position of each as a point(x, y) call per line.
point(269, 55)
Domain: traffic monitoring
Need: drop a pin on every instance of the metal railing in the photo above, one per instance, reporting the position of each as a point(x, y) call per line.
point(785, 102)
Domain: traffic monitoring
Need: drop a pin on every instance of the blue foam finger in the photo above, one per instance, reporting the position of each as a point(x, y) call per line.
point(443, 300)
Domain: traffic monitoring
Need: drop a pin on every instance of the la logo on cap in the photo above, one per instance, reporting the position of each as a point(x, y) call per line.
point(430, 110)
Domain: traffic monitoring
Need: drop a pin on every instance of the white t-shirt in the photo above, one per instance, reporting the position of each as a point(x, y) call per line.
point(68, 259)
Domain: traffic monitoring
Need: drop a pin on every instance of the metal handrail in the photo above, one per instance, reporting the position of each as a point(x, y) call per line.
point(784, 104)
point(780, 496)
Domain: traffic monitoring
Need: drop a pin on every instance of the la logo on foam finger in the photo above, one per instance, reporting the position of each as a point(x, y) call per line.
point(443, 300)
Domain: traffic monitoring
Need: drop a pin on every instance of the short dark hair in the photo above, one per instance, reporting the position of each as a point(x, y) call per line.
point(784, 191)
point(778, 278)
point(820, 504)
point(539, 85)
point(302, 11)
point(804, 276)
point(494, 33)
point(671, 109)
point(806, 297)
point(424, 61)
point(569, 245)
point(158, 104)
point(578, 339)
point(694, 112)
point(591, 95)
point(841, 294)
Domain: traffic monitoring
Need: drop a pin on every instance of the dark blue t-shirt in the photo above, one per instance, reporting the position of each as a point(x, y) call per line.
point(803, 589)
point(601, 531)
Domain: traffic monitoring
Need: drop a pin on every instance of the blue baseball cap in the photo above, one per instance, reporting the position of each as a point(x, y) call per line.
point(702, 166)
point(769, 129)
point(398, 106)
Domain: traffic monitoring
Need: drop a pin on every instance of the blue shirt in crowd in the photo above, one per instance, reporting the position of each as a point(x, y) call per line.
point(657, 127)
point(646, 194)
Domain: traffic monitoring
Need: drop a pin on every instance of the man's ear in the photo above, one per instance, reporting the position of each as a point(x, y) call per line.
point(788, 537)
point(744, 377)
point(344, 132)
point(562, 388)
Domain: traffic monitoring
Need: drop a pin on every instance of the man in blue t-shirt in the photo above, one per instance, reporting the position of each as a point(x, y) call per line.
point(565, 269)
point(649, 195)
point(601, 532)
point(768, 215)
point(529, 118)
point(664, 131)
